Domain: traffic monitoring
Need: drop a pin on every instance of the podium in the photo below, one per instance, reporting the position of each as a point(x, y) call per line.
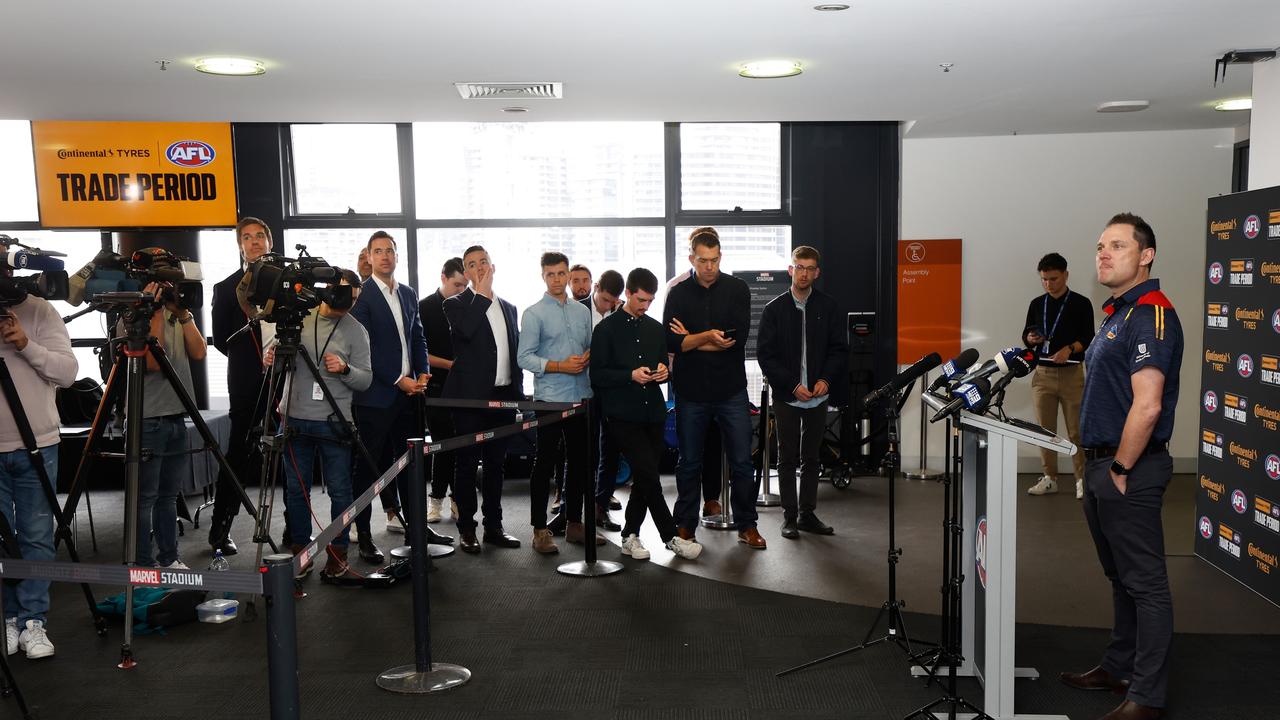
point(990, 552)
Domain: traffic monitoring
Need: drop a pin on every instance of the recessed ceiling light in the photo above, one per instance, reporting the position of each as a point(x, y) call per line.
point(831, 7)
point(1123, 106)
point(230, 66)
point(515, 109)
point(770, 69)
point(1236, 104)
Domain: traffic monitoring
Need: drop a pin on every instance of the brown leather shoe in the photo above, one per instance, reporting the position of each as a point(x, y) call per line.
point(752, 538)
point(336, 571)
point(1130, 710)
point(1095, 679)
point(576, 532)
point(711, 507)
point(468, 541)
point(543, 543)
point(684, 534)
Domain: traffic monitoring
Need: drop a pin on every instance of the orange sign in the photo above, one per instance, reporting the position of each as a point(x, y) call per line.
point(928, 299)
point(134, 174)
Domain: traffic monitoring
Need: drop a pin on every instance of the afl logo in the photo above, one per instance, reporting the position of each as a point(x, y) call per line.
point(1206, 527)
point(1215, 273)
point(1244, 365)
point(190, 153)
point(1272, 466)
point(980, 550)
point(1239, 502)
point(1275, 321)
point(1210, 401)
point(915, 252)
point(1252, 226)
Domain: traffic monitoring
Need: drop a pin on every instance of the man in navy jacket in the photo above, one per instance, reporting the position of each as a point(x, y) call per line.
point(803, 352)
point(387, 413)
point(485, 337)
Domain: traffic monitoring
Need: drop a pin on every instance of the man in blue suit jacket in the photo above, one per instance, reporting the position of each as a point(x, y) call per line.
point(387, 413)
point(485, 337)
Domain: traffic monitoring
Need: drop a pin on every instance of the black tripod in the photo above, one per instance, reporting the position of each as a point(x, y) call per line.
point(136, 310)
point(896, 632)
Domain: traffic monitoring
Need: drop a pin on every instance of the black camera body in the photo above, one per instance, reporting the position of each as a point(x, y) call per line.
point(287, 288)
point(49, 283)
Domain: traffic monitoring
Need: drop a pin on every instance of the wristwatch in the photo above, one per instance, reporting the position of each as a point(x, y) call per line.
point(1119, 469)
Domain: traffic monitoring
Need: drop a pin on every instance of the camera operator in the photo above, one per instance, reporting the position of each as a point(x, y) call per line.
point(244, 379)
point(164, 433)
point(340, 347)
point(37, 350)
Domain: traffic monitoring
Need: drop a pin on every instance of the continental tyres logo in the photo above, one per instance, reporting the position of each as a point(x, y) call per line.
point(1235, 408)
point(1271, 271)
point(1212, 490)
point(1211, 444)
point(1241, 272)
point(1269, 418)
point(1245, 456)
point(1222, 228)
point(1270, 370)
point(1217, 360)
point(1265, 561)
point(1229, 540)
point(1250, 317)
point(1266, 514)
point(1217, 315)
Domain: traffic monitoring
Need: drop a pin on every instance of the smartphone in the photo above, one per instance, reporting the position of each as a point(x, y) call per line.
point(730, 334)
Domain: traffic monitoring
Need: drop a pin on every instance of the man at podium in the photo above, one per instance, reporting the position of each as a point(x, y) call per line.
point(1126, 420)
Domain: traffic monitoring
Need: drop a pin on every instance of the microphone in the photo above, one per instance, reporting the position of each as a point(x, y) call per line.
point(955, 367)
point(38, 260)
point(1019, 366)
point(971, 396)
point(998, 363)
point(905, 378)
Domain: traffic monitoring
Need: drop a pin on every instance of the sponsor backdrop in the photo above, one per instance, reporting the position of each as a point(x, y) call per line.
point(134, 174)
point(928, 299)
point(1238, 501)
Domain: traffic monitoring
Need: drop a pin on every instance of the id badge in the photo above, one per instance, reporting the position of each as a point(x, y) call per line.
point(317, 393)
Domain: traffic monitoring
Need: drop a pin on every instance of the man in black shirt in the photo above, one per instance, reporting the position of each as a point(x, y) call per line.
point(1059, 327)
point(708, 319)
point(440, 358)
point(628, 354)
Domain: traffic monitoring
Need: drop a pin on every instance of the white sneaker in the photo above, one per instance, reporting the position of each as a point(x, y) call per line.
point(393, 525)
point(434, 507)
point(1080, 489)
point(631, 546)
point(687, 549)
point(177, 565)
point(34, 641)
point(1044, 487)
point(11, 636)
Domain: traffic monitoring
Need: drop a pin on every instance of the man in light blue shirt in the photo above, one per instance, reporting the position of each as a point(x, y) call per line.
point(555, 345)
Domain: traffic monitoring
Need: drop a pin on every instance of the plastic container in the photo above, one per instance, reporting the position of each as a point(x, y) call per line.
point(218, 610)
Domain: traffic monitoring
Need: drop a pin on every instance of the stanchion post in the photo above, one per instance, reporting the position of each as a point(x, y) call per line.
point(282, 637)
point(590, 567)
point(923, 472)
point(767, 497)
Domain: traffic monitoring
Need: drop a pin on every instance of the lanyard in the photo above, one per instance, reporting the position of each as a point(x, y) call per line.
point(315, 339)
point(1056, 320)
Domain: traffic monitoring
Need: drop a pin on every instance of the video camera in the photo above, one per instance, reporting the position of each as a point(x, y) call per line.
point(50, 282)
point(109, 272)
point(286, 288)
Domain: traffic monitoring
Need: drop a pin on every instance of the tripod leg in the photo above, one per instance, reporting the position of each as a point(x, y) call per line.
point(95, 432)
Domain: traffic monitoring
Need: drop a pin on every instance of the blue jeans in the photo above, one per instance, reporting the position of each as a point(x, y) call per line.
point(166, 440)
point(21, 497)
point(315, 436)
point(733, 416)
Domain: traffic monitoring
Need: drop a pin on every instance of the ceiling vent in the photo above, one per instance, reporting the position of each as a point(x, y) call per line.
point(510, 91)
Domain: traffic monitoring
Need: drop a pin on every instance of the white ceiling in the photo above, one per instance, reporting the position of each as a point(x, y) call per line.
point(1025, 66)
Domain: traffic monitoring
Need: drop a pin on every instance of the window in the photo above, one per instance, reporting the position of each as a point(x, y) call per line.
point(345, 168)
point(538, 170)
point(724, 166)
point(744, 247)
point(219, 257)
point(342, 247)
point(17, 173)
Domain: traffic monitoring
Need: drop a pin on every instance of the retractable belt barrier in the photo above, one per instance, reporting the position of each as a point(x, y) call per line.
point(211, 580)
point(331, 531)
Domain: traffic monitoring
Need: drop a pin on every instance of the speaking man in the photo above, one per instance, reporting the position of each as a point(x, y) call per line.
point(1126, 421)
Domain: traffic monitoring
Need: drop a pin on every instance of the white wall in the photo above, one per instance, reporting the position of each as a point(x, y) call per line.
point(1264, 124)
point(1014, 198)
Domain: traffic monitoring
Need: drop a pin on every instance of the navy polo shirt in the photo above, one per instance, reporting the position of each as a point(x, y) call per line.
point(1140, 330)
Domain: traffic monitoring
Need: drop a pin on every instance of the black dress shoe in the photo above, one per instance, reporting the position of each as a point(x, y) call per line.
point(226, 545)
point(614, 503)
point(810, 523)
point(1130, 710)
point(370, 552)
point(789, 530)
point(604, 522)
point(1095, 679)
point(437, 538)
point(558, 524)
point(468, 542)
point(501, 539)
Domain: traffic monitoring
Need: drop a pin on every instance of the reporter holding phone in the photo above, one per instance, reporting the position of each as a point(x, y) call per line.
point(710, 382)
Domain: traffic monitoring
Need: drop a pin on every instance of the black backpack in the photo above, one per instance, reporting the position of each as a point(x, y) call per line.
point(79, 403)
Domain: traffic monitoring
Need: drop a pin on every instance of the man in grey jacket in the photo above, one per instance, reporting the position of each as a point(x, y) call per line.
point(340, 347)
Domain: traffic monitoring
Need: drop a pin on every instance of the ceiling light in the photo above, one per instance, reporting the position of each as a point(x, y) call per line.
point(230, 66)
point(1123, 106)
point(515, 109)
point(1236, 104)
point(831, 7)
point(770, 69)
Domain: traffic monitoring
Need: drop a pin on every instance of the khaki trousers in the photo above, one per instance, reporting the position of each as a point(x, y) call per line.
point(1052, 387)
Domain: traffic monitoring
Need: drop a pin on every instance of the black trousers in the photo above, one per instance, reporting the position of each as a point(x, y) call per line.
point(606, 471)
point(800, 433)
point(712, 477)
point(1129, 537)
point(492, 454)
point(642, 445)
point(384, 432)
point(440, 425)
point(242, 455)
point(570, 433)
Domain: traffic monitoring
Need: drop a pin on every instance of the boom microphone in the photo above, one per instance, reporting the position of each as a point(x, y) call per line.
point(1019, 366)
point(27, 259)
point(972, 396)
point(954, 368)
point(998, 363)
point(905, 378)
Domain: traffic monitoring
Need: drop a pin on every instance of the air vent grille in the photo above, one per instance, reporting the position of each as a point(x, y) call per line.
point(510, 91)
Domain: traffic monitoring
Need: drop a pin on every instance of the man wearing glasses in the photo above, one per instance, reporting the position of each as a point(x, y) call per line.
point(803, 353)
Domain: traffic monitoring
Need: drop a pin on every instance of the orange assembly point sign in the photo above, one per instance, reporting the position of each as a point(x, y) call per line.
point(134, 174)
point(929, 274)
